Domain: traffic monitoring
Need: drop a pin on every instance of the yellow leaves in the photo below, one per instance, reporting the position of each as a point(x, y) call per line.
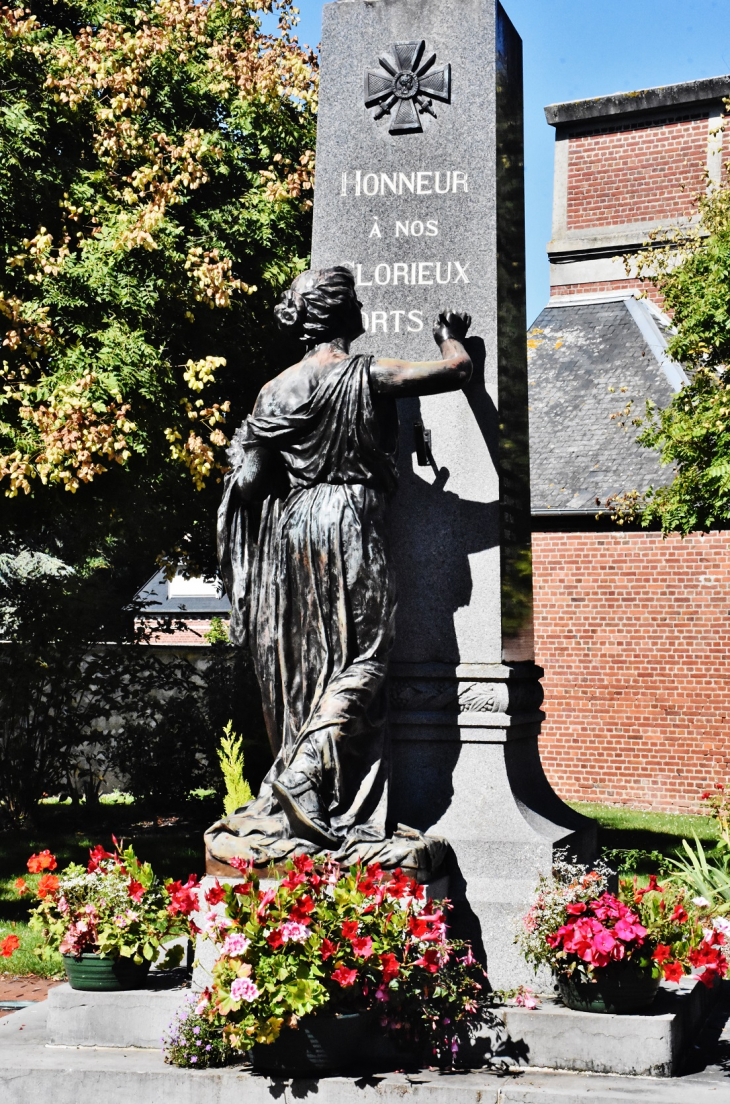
point(296, 180)
point(212, 278)
point(198, 373)
point(41, 257)
point(74, 434)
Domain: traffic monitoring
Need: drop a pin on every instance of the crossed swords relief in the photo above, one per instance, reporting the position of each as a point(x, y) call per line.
point(406, 89)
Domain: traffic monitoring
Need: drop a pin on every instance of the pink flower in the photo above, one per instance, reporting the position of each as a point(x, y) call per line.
point(294, 932)
point(235, 945)
point(265, 900)
point(362, 946)
point(381, 994)
point(243, 989)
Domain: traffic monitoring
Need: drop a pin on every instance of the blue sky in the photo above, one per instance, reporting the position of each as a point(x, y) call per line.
point(579, 48)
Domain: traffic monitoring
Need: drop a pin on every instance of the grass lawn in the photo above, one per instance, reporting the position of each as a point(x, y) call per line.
point(633, 840)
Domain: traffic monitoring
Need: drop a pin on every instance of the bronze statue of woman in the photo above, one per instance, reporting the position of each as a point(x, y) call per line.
point(303, 548)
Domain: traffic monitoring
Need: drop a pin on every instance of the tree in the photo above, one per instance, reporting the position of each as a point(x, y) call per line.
point(155, 196)
point(155, 176)
point(692, 272)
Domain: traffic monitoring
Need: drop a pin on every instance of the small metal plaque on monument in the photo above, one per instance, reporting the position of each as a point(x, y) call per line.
point(419, 192)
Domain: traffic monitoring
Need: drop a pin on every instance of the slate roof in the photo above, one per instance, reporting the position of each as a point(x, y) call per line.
point(155, 600)
point(586, 360)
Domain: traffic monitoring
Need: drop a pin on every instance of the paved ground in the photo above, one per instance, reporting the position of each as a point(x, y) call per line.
point(30, 1070)
point(28, 988)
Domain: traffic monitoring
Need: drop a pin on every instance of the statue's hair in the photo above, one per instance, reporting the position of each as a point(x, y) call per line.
point(313, 306)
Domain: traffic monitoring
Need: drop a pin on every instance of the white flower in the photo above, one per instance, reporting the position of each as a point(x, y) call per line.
point(701, 902)
point(721, 924)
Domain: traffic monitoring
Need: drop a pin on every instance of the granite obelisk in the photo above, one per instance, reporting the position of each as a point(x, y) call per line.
point(419, 189)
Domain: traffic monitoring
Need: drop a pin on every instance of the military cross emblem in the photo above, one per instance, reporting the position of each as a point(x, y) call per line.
point(406, 86)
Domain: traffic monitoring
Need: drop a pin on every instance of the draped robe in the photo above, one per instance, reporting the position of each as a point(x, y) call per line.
point(312, 591)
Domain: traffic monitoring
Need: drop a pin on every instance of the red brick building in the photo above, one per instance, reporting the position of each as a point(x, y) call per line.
point(632, 630)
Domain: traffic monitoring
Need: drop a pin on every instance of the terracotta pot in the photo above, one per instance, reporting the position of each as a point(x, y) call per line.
point(97, 973)
point(619, 987)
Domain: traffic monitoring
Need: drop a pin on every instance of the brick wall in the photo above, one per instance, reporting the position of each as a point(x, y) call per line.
point(602, 286)
point(634, 634)
point(636, 172)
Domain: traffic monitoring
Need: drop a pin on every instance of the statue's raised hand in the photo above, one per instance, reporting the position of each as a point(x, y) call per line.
point(451, 324)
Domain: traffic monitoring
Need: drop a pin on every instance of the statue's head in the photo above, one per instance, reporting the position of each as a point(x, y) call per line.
point(321, 306)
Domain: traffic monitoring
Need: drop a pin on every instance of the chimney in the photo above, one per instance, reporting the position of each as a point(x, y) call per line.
point(625, 165)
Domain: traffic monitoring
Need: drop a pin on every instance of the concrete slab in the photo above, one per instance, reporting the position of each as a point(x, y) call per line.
point(648, 1045)
point(31, 1071)
point(132, 1018)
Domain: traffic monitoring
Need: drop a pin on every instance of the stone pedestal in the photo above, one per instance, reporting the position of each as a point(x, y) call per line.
point(420, 191)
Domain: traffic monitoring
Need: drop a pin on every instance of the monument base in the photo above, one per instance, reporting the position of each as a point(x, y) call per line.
point(472, 731)
point(551, 1037)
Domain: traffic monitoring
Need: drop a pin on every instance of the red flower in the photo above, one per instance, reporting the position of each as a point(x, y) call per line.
point(391, 969)
point(242, 888)
point(344, 976)
point(349, 928)
point(43, 861)
point(662, 953)
point(20, 885)
point(215, 894)
point(679, 915)
point(182, 898)
point(576, 909)
point(9, 945)
point(654, 885)
point(135, 890)
point(293, 879)
point(362, 946)
point(303, 863)
point(241, 865)
point(673, 971)
point(274, 939)
point(301, 909)
point(399, 884)
point(328, 948)
point(374, 871)
point(418, 927)
point(430, 960)
point(96, 857)
point(47, 886)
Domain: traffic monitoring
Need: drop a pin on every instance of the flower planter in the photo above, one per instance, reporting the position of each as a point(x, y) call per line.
point(99, 974)
point(328, 1043)
point(621, 987)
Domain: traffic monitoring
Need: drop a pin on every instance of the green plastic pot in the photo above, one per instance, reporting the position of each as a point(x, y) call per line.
point(95, 973)
point(326, 1043)
point(619, 988)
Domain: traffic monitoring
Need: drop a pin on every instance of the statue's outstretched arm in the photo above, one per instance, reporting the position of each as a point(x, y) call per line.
point(402, 378)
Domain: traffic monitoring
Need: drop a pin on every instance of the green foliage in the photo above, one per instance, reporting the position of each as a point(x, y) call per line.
point(691, 269)
point(230, 756)
point(218, 631)
point(704, 874)
point(155, 176)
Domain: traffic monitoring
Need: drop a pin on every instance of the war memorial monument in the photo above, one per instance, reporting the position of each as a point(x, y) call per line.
point(405, 733)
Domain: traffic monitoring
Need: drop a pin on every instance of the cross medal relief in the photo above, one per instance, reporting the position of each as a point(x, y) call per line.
point(405, 87)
